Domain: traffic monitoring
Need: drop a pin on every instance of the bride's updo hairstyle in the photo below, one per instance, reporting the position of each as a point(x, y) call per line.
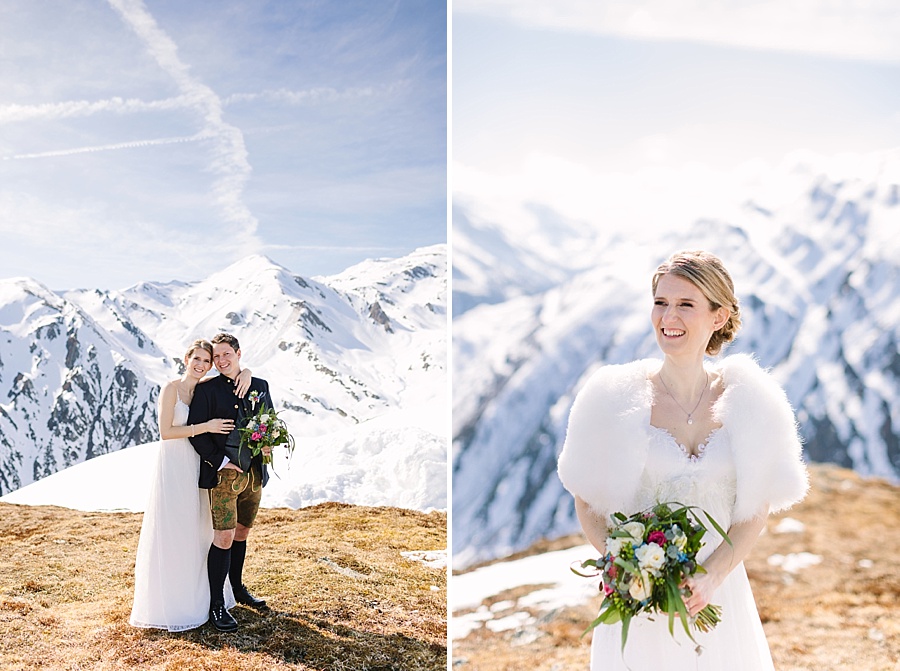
point(706, 272)
point(198, 344)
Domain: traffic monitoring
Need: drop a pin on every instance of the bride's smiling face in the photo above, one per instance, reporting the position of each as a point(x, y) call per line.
point(198, 363)
point(681, 316)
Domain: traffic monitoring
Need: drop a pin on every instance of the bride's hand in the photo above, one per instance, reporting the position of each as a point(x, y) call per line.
point(701, 586)
point(220, 426)
point(242, 382)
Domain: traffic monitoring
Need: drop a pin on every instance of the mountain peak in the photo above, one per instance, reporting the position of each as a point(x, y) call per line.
point(253, 263)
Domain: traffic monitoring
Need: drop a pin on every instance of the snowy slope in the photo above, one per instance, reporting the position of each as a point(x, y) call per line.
point(815, 259)
point(79, 371)
point(399, 459)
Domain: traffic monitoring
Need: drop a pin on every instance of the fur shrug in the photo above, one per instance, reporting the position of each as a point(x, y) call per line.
point(607, 441)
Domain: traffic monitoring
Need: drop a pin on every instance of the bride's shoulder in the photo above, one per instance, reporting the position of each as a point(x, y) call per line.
point(169, 387)
point(743, 370)
point(618, 385)
point(614, 377)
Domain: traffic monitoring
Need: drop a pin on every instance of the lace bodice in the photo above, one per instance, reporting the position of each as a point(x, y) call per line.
point(706, 480)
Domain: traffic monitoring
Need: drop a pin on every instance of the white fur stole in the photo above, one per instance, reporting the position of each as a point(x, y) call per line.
point(607, 440)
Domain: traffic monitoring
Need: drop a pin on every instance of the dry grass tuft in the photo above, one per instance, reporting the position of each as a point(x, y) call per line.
point(66, 582)
point(843, 613)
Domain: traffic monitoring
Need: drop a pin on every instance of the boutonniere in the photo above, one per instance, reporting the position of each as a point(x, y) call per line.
point(254, 397)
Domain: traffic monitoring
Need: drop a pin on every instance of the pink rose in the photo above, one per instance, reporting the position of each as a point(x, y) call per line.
point(256, 436)
point(657, 537)
point(608, 589)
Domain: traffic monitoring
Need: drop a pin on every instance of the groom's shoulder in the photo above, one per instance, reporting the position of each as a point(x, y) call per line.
point(210, 386)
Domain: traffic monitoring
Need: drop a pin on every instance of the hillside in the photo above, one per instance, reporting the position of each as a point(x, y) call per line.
point(842, 613)
point(342, 595)
point(814, 258)
point(80, 369)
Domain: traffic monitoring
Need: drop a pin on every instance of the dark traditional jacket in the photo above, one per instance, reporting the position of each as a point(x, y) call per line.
point(216, 399)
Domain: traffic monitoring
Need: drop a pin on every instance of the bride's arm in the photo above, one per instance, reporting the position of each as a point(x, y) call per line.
point(593, 526)
point(723, 560)
point(242, 382)
point(166, 415)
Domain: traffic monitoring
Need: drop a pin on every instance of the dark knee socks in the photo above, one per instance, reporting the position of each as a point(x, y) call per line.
point(217, 565)
point(236, 570)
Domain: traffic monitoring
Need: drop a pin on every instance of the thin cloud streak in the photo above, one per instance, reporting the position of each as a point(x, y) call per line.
point(110, 147)
point(315, 96)
point(116, 105)
point(331, 248)
point(84, 108)
point(229, 151)
point(840, 28)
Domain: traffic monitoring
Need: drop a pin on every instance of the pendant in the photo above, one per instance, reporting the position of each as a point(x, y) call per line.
point(690, 420)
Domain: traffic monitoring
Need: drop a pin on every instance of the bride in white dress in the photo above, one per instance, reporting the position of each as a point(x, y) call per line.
point(722, 437)
point(171, 588)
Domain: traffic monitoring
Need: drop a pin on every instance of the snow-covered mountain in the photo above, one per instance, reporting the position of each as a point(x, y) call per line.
point(816, 262)
point(397, 459)
point(80, 370)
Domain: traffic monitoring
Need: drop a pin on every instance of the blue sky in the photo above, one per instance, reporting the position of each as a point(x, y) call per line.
point(163, 139)
point(652, 112)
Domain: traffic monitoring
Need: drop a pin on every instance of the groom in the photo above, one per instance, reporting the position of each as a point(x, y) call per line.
point(234, 493)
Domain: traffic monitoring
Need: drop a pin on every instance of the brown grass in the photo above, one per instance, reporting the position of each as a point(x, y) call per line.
point(833, 616)
point(67, 577)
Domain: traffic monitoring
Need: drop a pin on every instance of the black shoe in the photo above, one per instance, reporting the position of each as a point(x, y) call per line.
point(241, 595)
point(221, 618)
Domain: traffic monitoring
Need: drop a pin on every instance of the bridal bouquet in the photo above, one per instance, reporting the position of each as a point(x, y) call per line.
point(264, 428)
point(648, 557)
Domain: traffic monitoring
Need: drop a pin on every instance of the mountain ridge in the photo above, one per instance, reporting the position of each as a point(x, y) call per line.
point(80, 369)
point(815, 264)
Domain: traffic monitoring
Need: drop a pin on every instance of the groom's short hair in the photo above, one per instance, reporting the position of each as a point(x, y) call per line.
point(228, 339)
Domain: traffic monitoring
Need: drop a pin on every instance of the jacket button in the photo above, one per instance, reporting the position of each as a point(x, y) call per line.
point(235, 407)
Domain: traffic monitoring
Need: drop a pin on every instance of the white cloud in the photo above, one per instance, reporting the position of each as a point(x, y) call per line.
point(83, 108)
point(314, 96)
point(109, 147)
point(856, 29)
point(639, 203)
point(229, 153)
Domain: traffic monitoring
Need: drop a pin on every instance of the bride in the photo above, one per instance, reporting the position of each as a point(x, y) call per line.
point(719, 436)
point(171, 589)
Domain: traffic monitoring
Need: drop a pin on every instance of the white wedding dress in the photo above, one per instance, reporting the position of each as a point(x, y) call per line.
point(738, 642)
point(171, 587)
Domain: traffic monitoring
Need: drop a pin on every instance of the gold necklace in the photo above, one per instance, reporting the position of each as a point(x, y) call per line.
point(690, 415)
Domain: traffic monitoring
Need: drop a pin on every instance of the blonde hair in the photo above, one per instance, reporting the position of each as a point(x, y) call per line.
point(198, 344)
point(706, 272)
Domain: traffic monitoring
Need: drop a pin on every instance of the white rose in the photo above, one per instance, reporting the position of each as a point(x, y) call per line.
point(641, 587)
point(276, 433)
point(680, 540)
point(636, 529)
point(651, 557)
point(614, 545)
point(263, 418)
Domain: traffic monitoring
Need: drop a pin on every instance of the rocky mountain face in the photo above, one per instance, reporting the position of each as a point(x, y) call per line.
point(817, 271)
point(80, 370)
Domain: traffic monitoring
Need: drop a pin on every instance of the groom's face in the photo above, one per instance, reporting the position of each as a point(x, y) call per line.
point(227, 360)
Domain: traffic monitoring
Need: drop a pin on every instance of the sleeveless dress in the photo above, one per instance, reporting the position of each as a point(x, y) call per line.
point(171, 587)
point(738, 643)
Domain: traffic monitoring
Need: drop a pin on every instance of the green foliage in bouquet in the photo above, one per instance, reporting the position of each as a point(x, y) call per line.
point(264, 429)
point(649, 556)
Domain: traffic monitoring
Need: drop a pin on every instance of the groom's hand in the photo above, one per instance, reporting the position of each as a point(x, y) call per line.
point(232, 467)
